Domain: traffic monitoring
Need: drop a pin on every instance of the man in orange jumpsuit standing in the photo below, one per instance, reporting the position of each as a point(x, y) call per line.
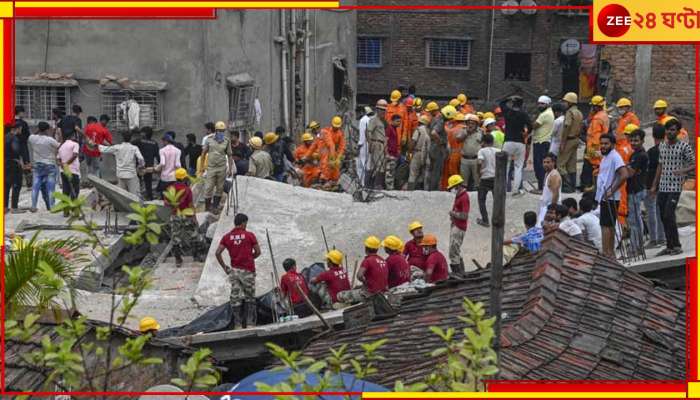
point(332, 150)
point(454, 128)
point(660, 107)
point(627, 123)
point(307, 159)
point(599, 126)
point(464, 107)
point(412, 124)
point(398, 108)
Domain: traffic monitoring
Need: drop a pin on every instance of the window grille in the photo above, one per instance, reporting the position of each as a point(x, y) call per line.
point(369, 52)
point(38, 101)
point(517, 66)
point(241, 108)
point(150, 108)
point(448, 53)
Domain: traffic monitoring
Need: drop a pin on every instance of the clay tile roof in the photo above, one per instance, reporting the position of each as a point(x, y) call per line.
point(571, 314)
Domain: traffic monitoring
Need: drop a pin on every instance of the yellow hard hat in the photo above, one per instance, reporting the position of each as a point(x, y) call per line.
point(454, 180)
point(424, 119)
point(597, 100)
point(429, 240)
point(571, 97)
point(460, 117)
point(395, 96)
point(270, 138)
point(336, 122)
point(392, 242)
point(488, 115)
point(449, 112)
point(417, 102)
point(373, 242)
point(255, 142)
point(454, 102)
point(307, 137)
point(668, 118)
point(220, 126)
point(414, 225)
point(630, 128)
point(335, 256)
point(660, 104)
point(432, 106)
point(624, 102)
point(314, 125)
point(148, 324)
point(180, 174)
point(462, 98)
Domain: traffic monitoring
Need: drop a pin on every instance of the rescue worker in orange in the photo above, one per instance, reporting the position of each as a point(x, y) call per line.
point(464, 107)
point(307, 160)
point(454, 128)
point(411, 125)
point(660, 107)
point(627, 123)
point(599, 126)
point(396, 107)
point(332, 150)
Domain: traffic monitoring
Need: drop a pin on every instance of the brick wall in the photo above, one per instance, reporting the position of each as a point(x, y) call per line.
point(673, 76)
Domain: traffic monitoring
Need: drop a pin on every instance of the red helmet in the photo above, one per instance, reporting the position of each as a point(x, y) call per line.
point(408, 102)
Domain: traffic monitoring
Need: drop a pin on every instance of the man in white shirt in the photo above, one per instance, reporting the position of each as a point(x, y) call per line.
point(611, 175)
point(129, 160)
point(566, 224)
point(362, 162)
point(487, 173)
point(551, 190)
point(557, 127)
point(589, 223)
point(542, 136)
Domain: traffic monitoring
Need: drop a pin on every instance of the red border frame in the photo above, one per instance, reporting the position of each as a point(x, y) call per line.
point(493, 386)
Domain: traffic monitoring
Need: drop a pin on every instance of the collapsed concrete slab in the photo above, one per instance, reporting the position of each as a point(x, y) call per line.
point(122, 199)
point(294, 216)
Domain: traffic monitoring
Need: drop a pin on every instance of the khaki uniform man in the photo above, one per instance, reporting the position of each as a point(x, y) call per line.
point(471, 143)
point(377, 145)
point(573, 120)
point(217, 149)
point(421, 144)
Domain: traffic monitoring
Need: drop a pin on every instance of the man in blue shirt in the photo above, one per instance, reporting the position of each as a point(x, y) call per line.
point(532, 238)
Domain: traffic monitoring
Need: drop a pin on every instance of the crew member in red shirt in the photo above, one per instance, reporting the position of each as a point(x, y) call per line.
point(398, 269)
point(97, 133)
point(393, 150)
point(413, 251)
point(183, 225)
point(458, 218)
point(435, 264)
point(373, 274)
point(243, 249)
point(292, 285)
point(335, 280)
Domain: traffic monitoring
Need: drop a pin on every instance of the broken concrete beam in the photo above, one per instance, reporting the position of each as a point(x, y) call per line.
point(122, 199)
point(90, 278)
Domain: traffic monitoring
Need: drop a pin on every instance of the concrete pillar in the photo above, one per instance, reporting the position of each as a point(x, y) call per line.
point(642, 78)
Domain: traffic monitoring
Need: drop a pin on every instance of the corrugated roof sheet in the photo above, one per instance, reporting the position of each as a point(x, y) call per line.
point(571, 315)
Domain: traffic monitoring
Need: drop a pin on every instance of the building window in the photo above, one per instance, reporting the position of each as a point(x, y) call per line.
point(448, 53)
point(341, 85)
point(38, 101)
point(518, 66)
point(369, 52)
point(241, 105)
point(116, 104)
point(578, 12)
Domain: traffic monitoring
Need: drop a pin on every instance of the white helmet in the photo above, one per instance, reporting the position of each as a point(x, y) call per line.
point(544, 100)
point(488, 121)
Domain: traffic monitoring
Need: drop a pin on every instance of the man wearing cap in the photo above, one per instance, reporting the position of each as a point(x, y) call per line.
point(491, 126)
point(363, 162)
point(599, 126)
point(411, 125)
point(464, 107)
point(471, 144)
point(660, 108)
point(332, 281)
point(458, 218)
point(420, 142)
point(217, 149)
point(169, 161)
point(542, 136)
point(455, 130)
point(438, 151)
point(573, 120)
point(435, 262)
point(307, 160)
point(397, 268)
point(413, 251)
point(396, 107)
point(184, 230)
point(376, 136)
point(373, 274)
point(331, 146)
point(260, 165)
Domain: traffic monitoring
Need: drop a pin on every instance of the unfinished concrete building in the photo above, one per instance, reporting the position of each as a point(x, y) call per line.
point(255, 68)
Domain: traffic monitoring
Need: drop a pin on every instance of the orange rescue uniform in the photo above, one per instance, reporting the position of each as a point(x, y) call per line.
point(400, 109)
point(452, 163)
point(309, 168)
point(599, 126)
point(331, 146)
point(411, 126)
point(624, 148)
point(466, 109)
